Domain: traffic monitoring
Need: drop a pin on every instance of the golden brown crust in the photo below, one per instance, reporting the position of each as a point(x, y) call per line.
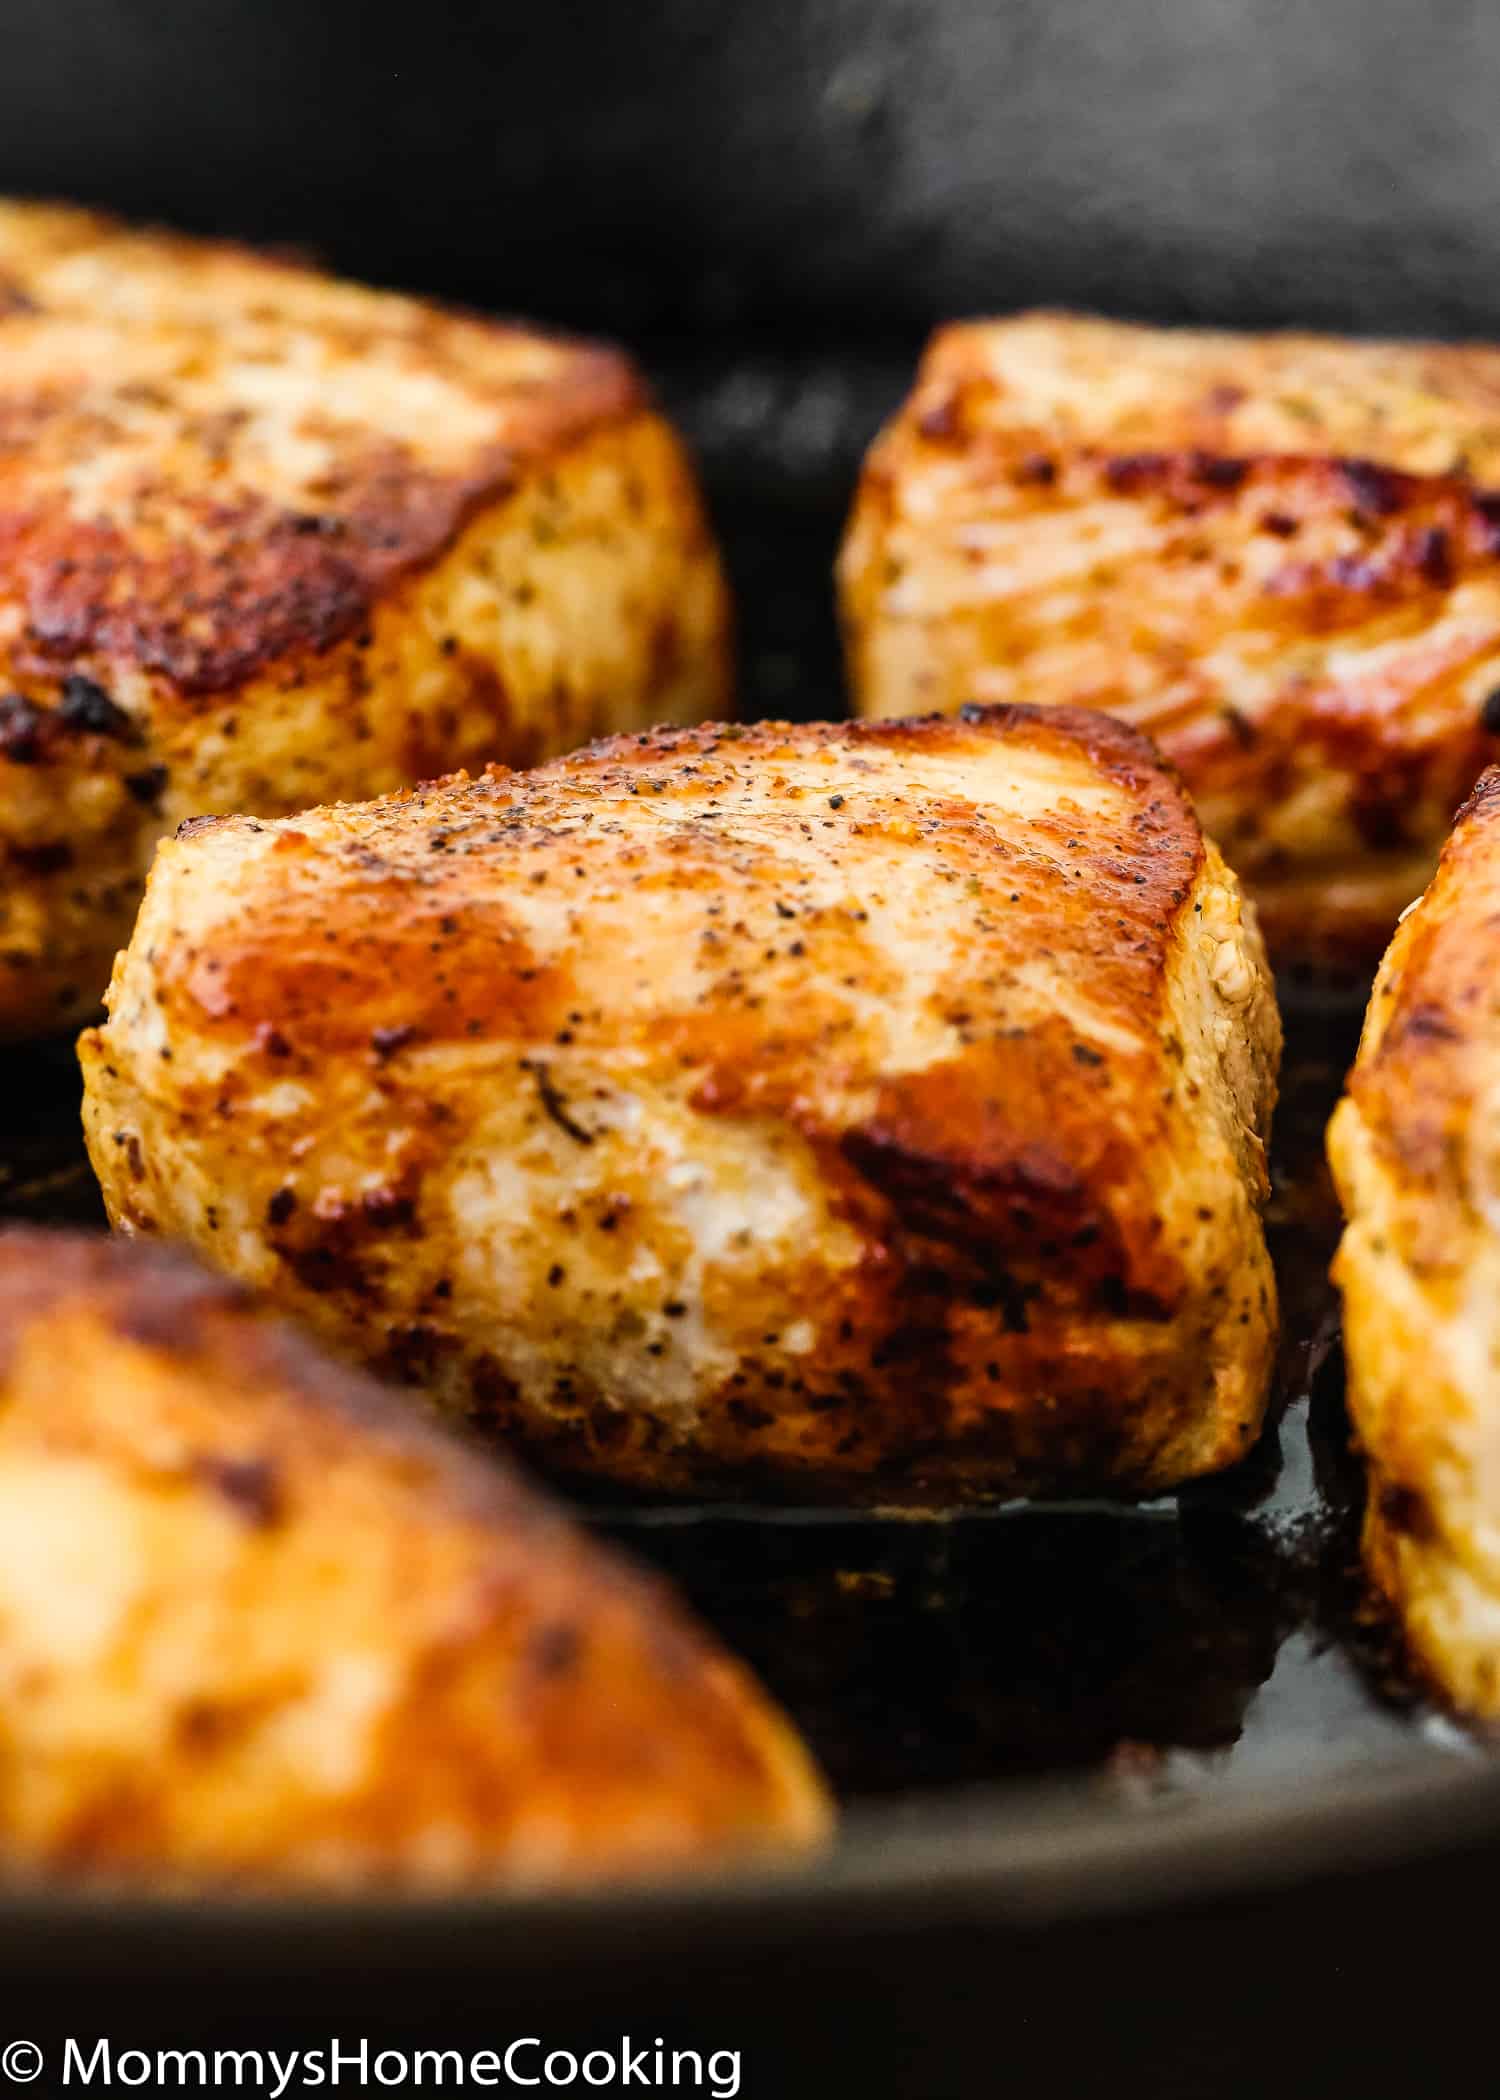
point(197, 573)
point(298, 540)
point(867, 1110)
point(1414, 1153)
point(260, 1621)
point(1425, 1053)
point(1275, 554)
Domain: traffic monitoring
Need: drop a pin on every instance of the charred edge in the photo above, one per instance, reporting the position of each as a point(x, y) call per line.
point(1485, 790)
point(1126, 753)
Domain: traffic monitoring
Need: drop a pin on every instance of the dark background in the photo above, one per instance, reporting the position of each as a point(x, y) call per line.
point(773, 200)
point(666, 167)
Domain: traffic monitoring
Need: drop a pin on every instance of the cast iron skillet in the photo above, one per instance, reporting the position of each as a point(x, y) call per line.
point(1134, 1795)
point(1082, 1749)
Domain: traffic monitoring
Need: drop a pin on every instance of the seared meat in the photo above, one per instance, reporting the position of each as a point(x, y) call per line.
point(868, 1111)
point(1415, 1146)
point(1271, 552)
point(258, 1621)
point(267, 540)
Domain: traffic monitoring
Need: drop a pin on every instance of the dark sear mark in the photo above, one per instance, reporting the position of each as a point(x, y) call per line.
point(1432, 553)
point(50, 858)
point(553, 1103)
point(1128, 472)
point(1406, 1510)
point(1013, 1298)
point(85, 705)
point(29, 733)
point(1376, 490)
point(942, 419)
point(21, 726)
point(555, 1649)
point(385, 1042)
point(1221, 473)
point(146, 786)
point(249, 1485)
point(1431, 1022)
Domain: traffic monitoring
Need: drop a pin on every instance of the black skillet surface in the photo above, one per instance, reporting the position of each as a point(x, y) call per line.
point(1116, 1777)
